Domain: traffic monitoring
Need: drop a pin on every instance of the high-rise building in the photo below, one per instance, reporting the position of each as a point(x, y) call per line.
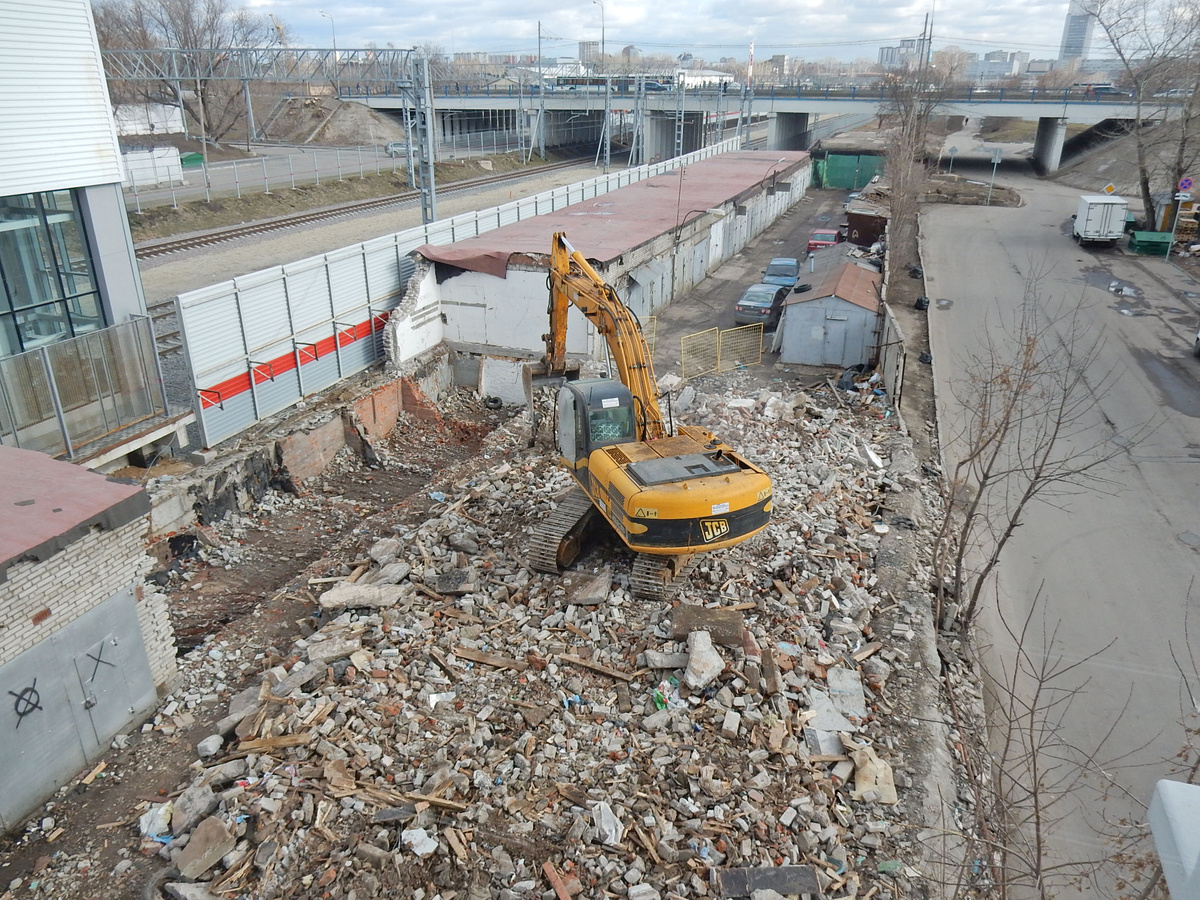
point(1077, 32)
point(589, 51)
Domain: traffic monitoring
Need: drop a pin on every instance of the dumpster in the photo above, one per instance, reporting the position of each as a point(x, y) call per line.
point(191, 160)
point(1150, 243)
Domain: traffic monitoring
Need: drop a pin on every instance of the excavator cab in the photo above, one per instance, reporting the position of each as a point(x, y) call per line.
point(594, 413)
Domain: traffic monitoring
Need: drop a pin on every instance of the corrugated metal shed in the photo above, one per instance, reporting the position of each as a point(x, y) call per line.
point(613, 224)
point(56, 126)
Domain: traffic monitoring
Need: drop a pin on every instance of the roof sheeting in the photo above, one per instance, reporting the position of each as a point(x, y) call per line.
point(614, 223)
point(850, 282)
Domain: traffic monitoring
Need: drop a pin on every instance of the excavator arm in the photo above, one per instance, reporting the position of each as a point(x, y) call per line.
point(574, 281)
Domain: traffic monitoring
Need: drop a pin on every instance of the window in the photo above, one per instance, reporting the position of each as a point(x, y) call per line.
point(47, 281)
point(614, 425)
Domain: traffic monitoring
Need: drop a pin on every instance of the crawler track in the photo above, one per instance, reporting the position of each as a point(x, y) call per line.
point(557, 540)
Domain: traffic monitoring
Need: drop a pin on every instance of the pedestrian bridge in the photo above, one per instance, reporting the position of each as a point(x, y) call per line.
point(683, 118)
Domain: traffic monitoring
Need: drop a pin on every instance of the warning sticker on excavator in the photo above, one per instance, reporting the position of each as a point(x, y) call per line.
point(610, 402)
point(645, 512)
point(711, 529)
point(719, 508)
point(764, 494)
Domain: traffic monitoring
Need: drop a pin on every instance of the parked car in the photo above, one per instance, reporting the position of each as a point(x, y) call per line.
point(824, 237)
point(854, 195)
point(782, 270)
point(1176, 92)
point(396, 148)
point(761, 303)
point(656, 86)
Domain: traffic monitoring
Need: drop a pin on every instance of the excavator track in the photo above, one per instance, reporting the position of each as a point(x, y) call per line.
point(660, 577)
point(559, 538)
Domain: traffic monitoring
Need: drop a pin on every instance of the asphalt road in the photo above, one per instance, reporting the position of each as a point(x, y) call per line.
point(1113, 564)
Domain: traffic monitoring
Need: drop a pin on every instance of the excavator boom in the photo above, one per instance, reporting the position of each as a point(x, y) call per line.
point(574, 281)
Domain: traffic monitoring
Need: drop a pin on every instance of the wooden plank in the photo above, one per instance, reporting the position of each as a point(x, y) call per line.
point(275, 743)
point(91, 776)
point(437, 801)
point(595, 667)
point(556, 882)
point(491, 659)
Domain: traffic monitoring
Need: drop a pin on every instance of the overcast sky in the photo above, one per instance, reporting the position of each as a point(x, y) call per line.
point(808, 29)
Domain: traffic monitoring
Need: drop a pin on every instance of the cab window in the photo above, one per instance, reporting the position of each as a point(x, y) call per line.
point(611, 426)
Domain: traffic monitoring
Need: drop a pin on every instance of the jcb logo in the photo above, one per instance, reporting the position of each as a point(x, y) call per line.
point(711, 529)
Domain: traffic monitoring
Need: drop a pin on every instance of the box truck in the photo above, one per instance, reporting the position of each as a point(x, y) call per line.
point(1100, 219)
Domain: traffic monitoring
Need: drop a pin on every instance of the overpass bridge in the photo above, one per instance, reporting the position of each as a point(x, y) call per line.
point(665, 123)
point(681, 121)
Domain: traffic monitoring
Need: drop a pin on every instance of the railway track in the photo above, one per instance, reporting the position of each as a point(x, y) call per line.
point(177, 245)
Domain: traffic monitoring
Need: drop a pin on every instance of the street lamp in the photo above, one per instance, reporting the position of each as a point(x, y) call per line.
point(333, 29)
point(600, 3)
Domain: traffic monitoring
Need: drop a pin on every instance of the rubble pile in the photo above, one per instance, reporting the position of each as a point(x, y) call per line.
point(455, 725)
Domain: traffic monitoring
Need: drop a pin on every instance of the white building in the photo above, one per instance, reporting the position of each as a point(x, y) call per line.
point(71, 299)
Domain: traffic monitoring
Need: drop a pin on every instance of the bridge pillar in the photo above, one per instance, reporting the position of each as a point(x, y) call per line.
point(1048, 145)
point(787, 131)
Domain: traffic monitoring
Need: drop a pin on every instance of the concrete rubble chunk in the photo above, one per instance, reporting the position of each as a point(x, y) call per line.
point(827, 717)
point(658, 660)
point(392, 573)
point(191, 806)
point(321, 652)
point(588, 589)
point(210, 746)
point(209, 842)
point(705, 664)
point(846, 692)
point(781, 879)
point(643, 892)
point(725, 625)
point(183, 890)
point(361, 596)
point(419, 842)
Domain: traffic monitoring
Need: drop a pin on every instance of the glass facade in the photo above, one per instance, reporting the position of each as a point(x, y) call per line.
point(47, 282)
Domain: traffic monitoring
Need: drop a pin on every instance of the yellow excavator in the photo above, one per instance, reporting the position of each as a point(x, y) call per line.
point(668, 496)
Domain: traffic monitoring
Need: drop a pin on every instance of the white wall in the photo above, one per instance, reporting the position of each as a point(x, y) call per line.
point(416, 326)
point(505, 313)
point(56, 125)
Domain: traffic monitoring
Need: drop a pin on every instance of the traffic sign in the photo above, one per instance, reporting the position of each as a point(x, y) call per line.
point(1110, 188)
point(953, 151)
point(1185, 184)
point(997, 155)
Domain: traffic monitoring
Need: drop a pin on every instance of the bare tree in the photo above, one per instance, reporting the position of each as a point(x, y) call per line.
point(1158, 44)
point(1027, 400)
point(912, 99)
point(206, 30)
point(1027, 782)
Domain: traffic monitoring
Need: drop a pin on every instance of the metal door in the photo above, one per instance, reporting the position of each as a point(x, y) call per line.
point(100, 670)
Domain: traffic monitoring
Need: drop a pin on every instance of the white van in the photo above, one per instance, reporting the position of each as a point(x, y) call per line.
point(396, 148)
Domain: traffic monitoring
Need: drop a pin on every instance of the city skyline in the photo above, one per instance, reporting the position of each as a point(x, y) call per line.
point(855, 30)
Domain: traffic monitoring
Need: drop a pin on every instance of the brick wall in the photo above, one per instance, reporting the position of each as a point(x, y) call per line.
point(159, 637)
point(379, 409)
point(39, 598)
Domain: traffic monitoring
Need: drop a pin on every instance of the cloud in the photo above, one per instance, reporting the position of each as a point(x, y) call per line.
point(806, 29)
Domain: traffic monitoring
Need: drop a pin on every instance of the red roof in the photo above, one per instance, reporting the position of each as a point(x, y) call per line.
point(605, 227)
point(48, 504)
point(852, 283)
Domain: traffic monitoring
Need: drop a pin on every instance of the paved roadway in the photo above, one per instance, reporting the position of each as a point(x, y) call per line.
point(1114, 564)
